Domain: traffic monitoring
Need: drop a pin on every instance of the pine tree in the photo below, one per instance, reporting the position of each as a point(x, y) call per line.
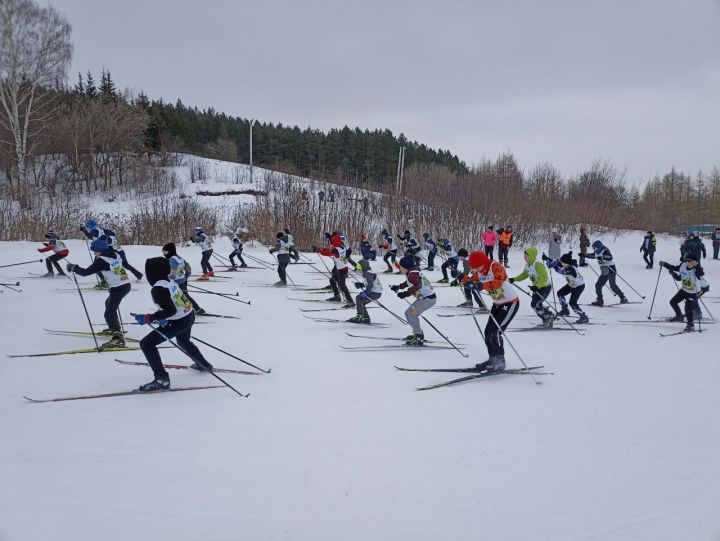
point(80, 85)
point(90, 88)
point(107, 86)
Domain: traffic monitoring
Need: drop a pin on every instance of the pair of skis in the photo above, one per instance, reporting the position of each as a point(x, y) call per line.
point(474, 373)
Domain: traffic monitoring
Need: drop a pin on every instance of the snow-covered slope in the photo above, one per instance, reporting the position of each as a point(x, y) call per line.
point(622, 442)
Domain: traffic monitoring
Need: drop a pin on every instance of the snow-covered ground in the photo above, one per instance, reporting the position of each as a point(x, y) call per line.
point(621, 443)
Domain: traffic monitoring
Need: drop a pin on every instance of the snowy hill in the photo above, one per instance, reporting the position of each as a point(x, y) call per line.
point(620, 443)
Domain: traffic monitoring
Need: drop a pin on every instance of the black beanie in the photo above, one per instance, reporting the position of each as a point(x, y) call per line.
point(170, 249)
point(157, 268)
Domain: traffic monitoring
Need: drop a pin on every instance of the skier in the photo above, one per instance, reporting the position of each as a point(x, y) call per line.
point(491, 276)
point(366, 248)
point(541, 285)
point(584, 245)
point(567, 266)
point(237, 249)
point(451, 262)
point(555, 245)
point(691, 276)
point(60, 251)
point(608, 271)
point(176, 317)
point(489, 238)
point(291, 241)
point(462, 278)
point(432, 247)
point(372, 291)
point(340, 270)
point(391, 253)
point(716, 242)
point(180, 272)
point(425, 298)
point(504, 245)
point(109, 264)
point(648, 249)
point(331, 196)
point(205, 243)
point(93, 231)
point(282, 247)
point(412, 246)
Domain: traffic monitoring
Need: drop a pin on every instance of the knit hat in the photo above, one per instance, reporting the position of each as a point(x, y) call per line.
point(336, 241)
point(478, 260)
point(462, 252)
point(99, 245)
point(407, 262)
point(691, 256)
point(157, 268)
point(169, 250)
point(567, 258)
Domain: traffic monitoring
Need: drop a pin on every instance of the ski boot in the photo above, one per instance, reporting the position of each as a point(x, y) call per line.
point(548, 321)
point(360, 319)
point(281, 283)
point(232, 268)
point(243, 265)
point(429, 269)
point(690, 327)
point(482, 367)
point(334, 298)
point(597, 302)
point(204, 278)
point(211, 273)
point(415, 340)
point(349, 304)
point(583, 319)
point(117, 341)
point(466, 304)
point(564, 312)
point(159, 384)
point(623, 300)
point(389, 271)
point(678, 318)
point(200, 312)
point(497, 363)
point(442, 281)
point(201, 367)
point(48, 275)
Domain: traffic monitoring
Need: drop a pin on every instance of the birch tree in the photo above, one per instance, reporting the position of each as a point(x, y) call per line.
point(35, 53)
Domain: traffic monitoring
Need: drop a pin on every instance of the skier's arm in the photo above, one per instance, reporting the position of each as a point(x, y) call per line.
point(522, 276)
point(97, 266)
point(499, 277)
point(161, 297)
point(47, 248)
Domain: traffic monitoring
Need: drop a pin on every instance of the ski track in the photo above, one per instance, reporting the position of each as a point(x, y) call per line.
point(621, 443)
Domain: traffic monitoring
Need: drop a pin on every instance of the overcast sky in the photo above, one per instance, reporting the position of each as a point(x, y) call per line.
point(633, 81)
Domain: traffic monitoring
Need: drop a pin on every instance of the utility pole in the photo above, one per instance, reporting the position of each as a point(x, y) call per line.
point(252, 123)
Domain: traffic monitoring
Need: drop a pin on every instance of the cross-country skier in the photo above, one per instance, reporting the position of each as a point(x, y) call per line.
point(540, 285)
point(648, 249)
point(237, 249)
point(693, 286)
point(608, 271)
point(574, 287)
point(432, 248)
point(338, 280)
point(282, 247)
point(460, 275)
point(60, 251)
point(451, 262)
point(412, 246)
point(366, 248)
point(205, 243)
point(391, 253)
point(180, 273)
point(372, 290)
point(491, 276)
point(175, 316)
point(419, 287)
point(109, 264)
point(93, 231)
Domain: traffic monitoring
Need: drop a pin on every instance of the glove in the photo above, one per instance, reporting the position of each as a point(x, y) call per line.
point(359, 285)
point(70, 267)
point(142, 319)
point(511, 280)
point(454, 283)
point(270, 250)
point(662, 263)
point(395, 288)
point(676, 276)
point(363, 295)
point(544, 257)
point(162, 322)
point(533, 288)
point(703, 291)
point(403, 294)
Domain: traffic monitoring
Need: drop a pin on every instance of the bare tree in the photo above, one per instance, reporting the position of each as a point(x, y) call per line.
point(35, 53)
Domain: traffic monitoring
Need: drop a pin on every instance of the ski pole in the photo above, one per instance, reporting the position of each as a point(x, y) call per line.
point(224, 295)
point(23, 263)
point(472, 311)
point(401, 320)
point(157, 330)
point(557, 314)
point(626, 283)
point(706, 308)
point(12, 287)
point(660, 268)
point(552, 285)
point(438, 331)
point(82, 299)
point(232, 356)
point(260, 262)
point(504, 336)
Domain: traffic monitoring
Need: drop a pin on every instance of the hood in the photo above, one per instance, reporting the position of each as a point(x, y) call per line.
point(407, 262)
point(598, 246)
point(478, 260)
point(336, 241)
point(532, 253)
point(170, 249)
point(364, 265)
point(157, 268)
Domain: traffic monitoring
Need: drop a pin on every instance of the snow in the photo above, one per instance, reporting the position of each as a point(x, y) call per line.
point(622, 442)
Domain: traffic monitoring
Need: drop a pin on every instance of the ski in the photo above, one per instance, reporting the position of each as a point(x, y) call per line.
point(239, 268)
point(399, 346)
point(330, 320)
point(665, 335)
point(667, 320)
point(87, 333)
point(540, 328)
point(612, 304)
point(122, 393)
point(464, 315)
point(462, 370)
point(208, 314)
point(312, 300)
point(393, 338)
point(79, 351)
point(212, 279)
point(328, 309)
point(187, 367)
point(477, 376)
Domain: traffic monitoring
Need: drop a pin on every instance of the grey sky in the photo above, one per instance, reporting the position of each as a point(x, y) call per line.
point(637, 82)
